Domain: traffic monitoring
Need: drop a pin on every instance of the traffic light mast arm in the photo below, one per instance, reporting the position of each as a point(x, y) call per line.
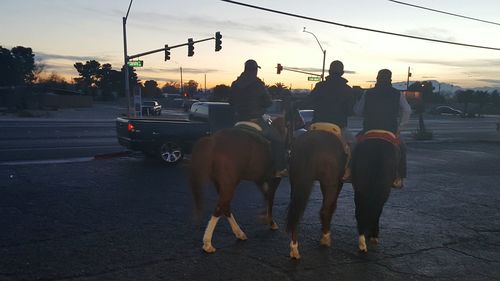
point(170, 47)
point(299, 71)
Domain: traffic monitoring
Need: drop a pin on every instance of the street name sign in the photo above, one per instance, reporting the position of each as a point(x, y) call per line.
point(135, 63)
point(313, 78)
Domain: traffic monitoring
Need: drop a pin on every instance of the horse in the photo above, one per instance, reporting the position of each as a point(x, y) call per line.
point(226, 158)
point(374, 161)
point(318, 154)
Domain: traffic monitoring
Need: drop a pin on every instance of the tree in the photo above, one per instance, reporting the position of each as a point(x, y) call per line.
point(482, 98)
point(53, 81)
point(17, 66)
point(465, 97)
point(190, 87)
point(221, 93)
point(151, 89)
point(279, 91)
point(170, 88)
point(89, 75)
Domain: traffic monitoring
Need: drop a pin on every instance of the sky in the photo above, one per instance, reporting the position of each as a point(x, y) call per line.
point(62, 32)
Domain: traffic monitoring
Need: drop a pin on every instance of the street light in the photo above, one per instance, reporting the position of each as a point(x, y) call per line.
point(125, 58)
point(322, 50)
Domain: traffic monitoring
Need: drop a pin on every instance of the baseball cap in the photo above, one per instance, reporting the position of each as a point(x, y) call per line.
point(251, 64)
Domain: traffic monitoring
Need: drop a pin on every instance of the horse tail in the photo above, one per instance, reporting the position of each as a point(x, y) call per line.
point(373, 166)
point(200, 169)
point(301, 184)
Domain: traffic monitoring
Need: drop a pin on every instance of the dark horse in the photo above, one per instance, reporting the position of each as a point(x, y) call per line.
point(226, 158)
point(374, 165)
point(316, 155)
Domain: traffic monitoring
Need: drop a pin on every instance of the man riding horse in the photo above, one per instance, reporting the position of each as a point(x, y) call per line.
point(380, 108)
point(250, 98)
point(332, 101)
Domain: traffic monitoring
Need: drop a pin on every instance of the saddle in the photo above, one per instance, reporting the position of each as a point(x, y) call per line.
point(326, 127)
point(253, 129)
point(379, 134)
point(332, 129)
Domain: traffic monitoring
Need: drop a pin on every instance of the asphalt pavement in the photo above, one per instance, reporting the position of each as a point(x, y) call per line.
point(128, 218)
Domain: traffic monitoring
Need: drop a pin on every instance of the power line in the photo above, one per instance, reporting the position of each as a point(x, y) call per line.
point(443, 12)
point(360, 28)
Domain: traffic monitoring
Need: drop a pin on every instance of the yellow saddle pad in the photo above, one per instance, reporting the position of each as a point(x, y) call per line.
point(327, 127)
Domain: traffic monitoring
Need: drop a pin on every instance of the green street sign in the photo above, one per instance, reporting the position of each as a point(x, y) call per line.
point(135, 63)
point(313, 78)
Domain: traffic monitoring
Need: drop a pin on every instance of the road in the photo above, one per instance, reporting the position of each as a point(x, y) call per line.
point(129, 218)
point(27, 140)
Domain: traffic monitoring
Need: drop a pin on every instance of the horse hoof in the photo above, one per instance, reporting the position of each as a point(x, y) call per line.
point(362, 244)
point(294, 251)
point(374, 241)
point(241, 236)
point(208, 248)
point(326, 240)
point(274, 225)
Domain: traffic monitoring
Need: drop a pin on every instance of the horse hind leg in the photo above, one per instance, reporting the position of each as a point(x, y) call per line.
point(236, 228)
point(269, 191)
point(207, 237)
point(330, 195)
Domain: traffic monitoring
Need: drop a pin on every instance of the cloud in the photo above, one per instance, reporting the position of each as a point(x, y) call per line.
point(48, 56)
point(495, 82)
point(432, 32)
point(456, 63)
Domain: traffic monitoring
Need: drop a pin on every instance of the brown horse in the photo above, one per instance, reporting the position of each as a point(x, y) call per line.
point(226, 158)
point(316, 155)
point(374, 165)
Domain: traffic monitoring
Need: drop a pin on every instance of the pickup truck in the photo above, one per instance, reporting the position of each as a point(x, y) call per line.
point(151, 108)
point(168, 139)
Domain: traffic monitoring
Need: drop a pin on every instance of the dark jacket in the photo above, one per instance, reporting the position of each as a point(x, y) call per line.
point(249, 97)
point(332, 101)
point(381, 108)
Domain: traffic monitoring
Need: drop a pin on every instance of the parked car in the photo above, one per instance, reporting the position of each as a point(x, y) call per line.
point(187, 103)
point(151, 108)
point(446, 110)
point(307, 116)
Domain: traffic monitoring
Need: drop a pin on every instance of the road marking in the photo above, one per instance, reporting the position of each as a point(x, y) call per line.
point(49, 161)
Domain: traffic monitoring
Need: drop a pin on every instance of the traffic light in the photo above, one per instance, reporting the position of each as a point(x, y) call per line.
point(218, 41)
point(279, 68)
point(190, 47)
point(167, 53)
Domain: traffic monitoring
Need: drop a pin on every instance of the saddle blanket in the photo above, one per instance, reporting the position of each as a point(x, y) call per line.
point(327, 127)
point(379, 134)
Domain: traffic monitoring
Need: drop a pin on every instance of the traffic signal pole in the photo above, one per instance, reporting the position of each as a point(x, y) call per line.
point(169, 48)
point(126, 59)
point(296, 70)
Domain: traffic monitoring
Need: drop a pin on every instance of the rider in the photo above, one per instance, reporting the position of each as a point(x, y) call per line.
point(332, 101)
point(250, 98)
point(380, 108)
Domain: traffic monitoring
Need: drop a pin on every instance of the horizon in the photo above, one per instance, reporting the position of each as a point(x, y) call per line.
point(93, 30)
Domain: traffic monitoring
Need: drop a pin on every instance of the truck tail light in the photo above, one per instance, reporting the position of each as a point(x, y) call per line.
point(130, 128)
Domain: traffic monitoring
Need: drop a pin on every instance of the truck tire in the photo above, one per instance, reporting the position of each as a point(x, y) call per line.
point(170, 152)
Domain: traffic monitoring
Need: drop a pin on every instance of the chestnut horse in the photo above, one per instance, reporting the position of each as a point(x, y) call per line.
point(226, 158)
point(374, 163)
point(316, 155)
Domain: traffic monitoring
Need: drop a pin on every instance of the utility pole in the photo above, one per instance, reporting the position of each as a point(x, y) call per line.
point(408, 79)
point(322, 50)
point(125, 59)
point(182, 84)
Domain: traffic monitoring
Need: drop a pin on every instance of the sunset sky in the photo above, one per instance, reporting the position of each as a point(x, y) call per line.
point(62, 32)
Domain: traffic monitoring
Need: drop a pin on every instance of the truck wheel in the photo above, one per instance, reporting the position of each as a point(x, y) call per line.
point(170, 152)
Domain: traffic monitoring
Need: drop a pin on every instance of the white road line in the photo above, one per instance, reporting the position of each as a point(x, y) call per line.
point(49, 161)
